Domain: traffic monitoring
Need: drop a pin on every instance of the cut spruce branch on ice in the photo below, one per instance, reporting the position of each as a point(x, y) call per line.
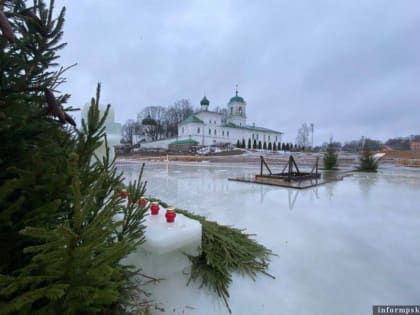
point(225, 250)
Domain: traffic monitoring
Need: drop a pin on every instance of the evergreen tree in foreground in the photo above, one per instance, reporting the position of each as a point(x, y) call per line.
point(64, 229)
point(61, 244)
point(367, 162)
point(330, 157)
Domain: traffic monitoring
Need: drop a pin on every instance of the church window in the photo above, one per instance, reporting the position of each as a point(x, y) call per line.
point(214, 122)
point(231, 110)
point(210, 132)
point(214, 131)
point(240, 124)
point(276, 138)
point(268, 138)
point(223, 133)
point(198, 130)
point(228, 133)
point(182, 130)
point(240, 110)
point(210, 121)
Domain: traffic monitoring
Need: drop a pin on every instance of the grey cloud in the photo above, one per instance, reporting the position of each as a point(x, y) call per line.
point(350, 67)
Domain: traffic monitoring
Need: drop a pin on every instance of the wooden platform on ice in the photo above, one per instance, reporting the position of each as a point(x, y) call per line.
point(325, 178)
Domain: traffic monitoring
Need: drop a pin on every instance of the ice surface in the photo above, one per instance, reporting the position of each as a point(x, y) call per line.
point(342, 247)
point(163, 237)
point(166, 244)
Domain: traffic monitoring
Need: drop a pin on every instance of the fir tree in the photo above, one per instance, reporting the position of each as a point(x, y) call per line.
point(367, 163)
point(330, 157)
point(61, 244)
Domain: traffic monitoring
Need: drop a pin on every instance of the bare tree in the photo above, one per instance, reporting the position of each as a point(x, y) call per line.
point(303, 139)
point(158, 113)
point(128, 130)
point(166, 119)
point(176, 113)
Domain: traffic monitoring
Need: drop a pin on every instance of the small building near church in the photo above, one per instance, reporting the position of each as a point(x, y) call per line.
point(415, 145)
point(209, 128)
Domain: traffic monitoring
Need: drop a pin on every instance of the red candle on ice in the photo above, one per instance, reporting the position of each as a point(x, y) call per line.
point(154, 208)
point(170, 215)
point(123, 193)
point(142, 202)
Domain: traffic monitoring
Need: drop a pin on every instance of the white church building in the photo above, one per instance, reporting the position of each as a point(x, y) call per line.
point(208, 128)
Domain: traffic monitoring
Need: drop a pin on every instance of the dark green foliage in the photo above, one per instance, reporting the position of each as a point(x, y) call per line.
point(330, 157)
point(367, 163)
point(224, 250)
point(238, 144)
point(259, 145)
point(249, 143)
point(32, 186)
point(270, 146)
point(254, 145)
point(73, 265)
point(61, 245)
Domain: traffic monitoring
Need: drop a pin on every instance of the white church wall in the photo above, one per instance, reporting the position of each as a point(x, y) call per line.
point(210, 118)
point(190, 129)
point(159, 144)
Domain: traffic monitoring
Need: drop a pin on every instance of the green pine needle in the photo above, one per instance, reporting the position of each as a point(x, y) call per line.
point(225, 250)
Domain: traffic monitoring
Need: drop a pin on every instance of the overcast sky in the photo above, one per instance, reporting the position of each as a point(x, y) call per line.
point(351, 67)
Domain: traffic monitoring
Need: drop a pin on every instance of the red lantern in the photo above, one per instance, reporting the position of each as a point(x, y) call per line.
point(123, 193)
point(142, 202)
point(155, 208)
point(170, 215)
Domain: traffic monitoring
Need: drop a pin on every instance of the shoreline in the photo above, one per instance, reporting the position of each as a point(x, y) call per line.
point(395, 158)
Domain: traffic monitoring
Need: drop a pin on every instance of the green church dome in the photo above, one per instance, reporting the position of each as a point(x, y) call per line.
point(149, 121)
point(205, 101)
point(237, 98)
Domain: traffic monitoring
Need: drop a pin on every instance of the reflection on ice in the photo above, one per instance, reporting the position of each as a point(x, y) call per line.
point(344, 246)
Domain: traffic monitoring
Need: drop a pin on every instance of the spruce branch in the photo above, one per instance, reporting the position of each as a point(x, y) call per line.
point(225, 249)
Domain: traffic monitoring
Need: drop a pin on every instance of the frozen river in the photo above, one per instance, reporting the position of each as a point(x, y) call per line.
point(342, 247)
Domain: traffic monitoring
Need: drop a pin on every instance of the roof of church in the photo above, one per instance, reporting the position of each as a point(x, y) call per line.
point(149, 121)
point(192, 119)
point(232, 125)
point(205, 101)
point(185, 141)
point(237, 98)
